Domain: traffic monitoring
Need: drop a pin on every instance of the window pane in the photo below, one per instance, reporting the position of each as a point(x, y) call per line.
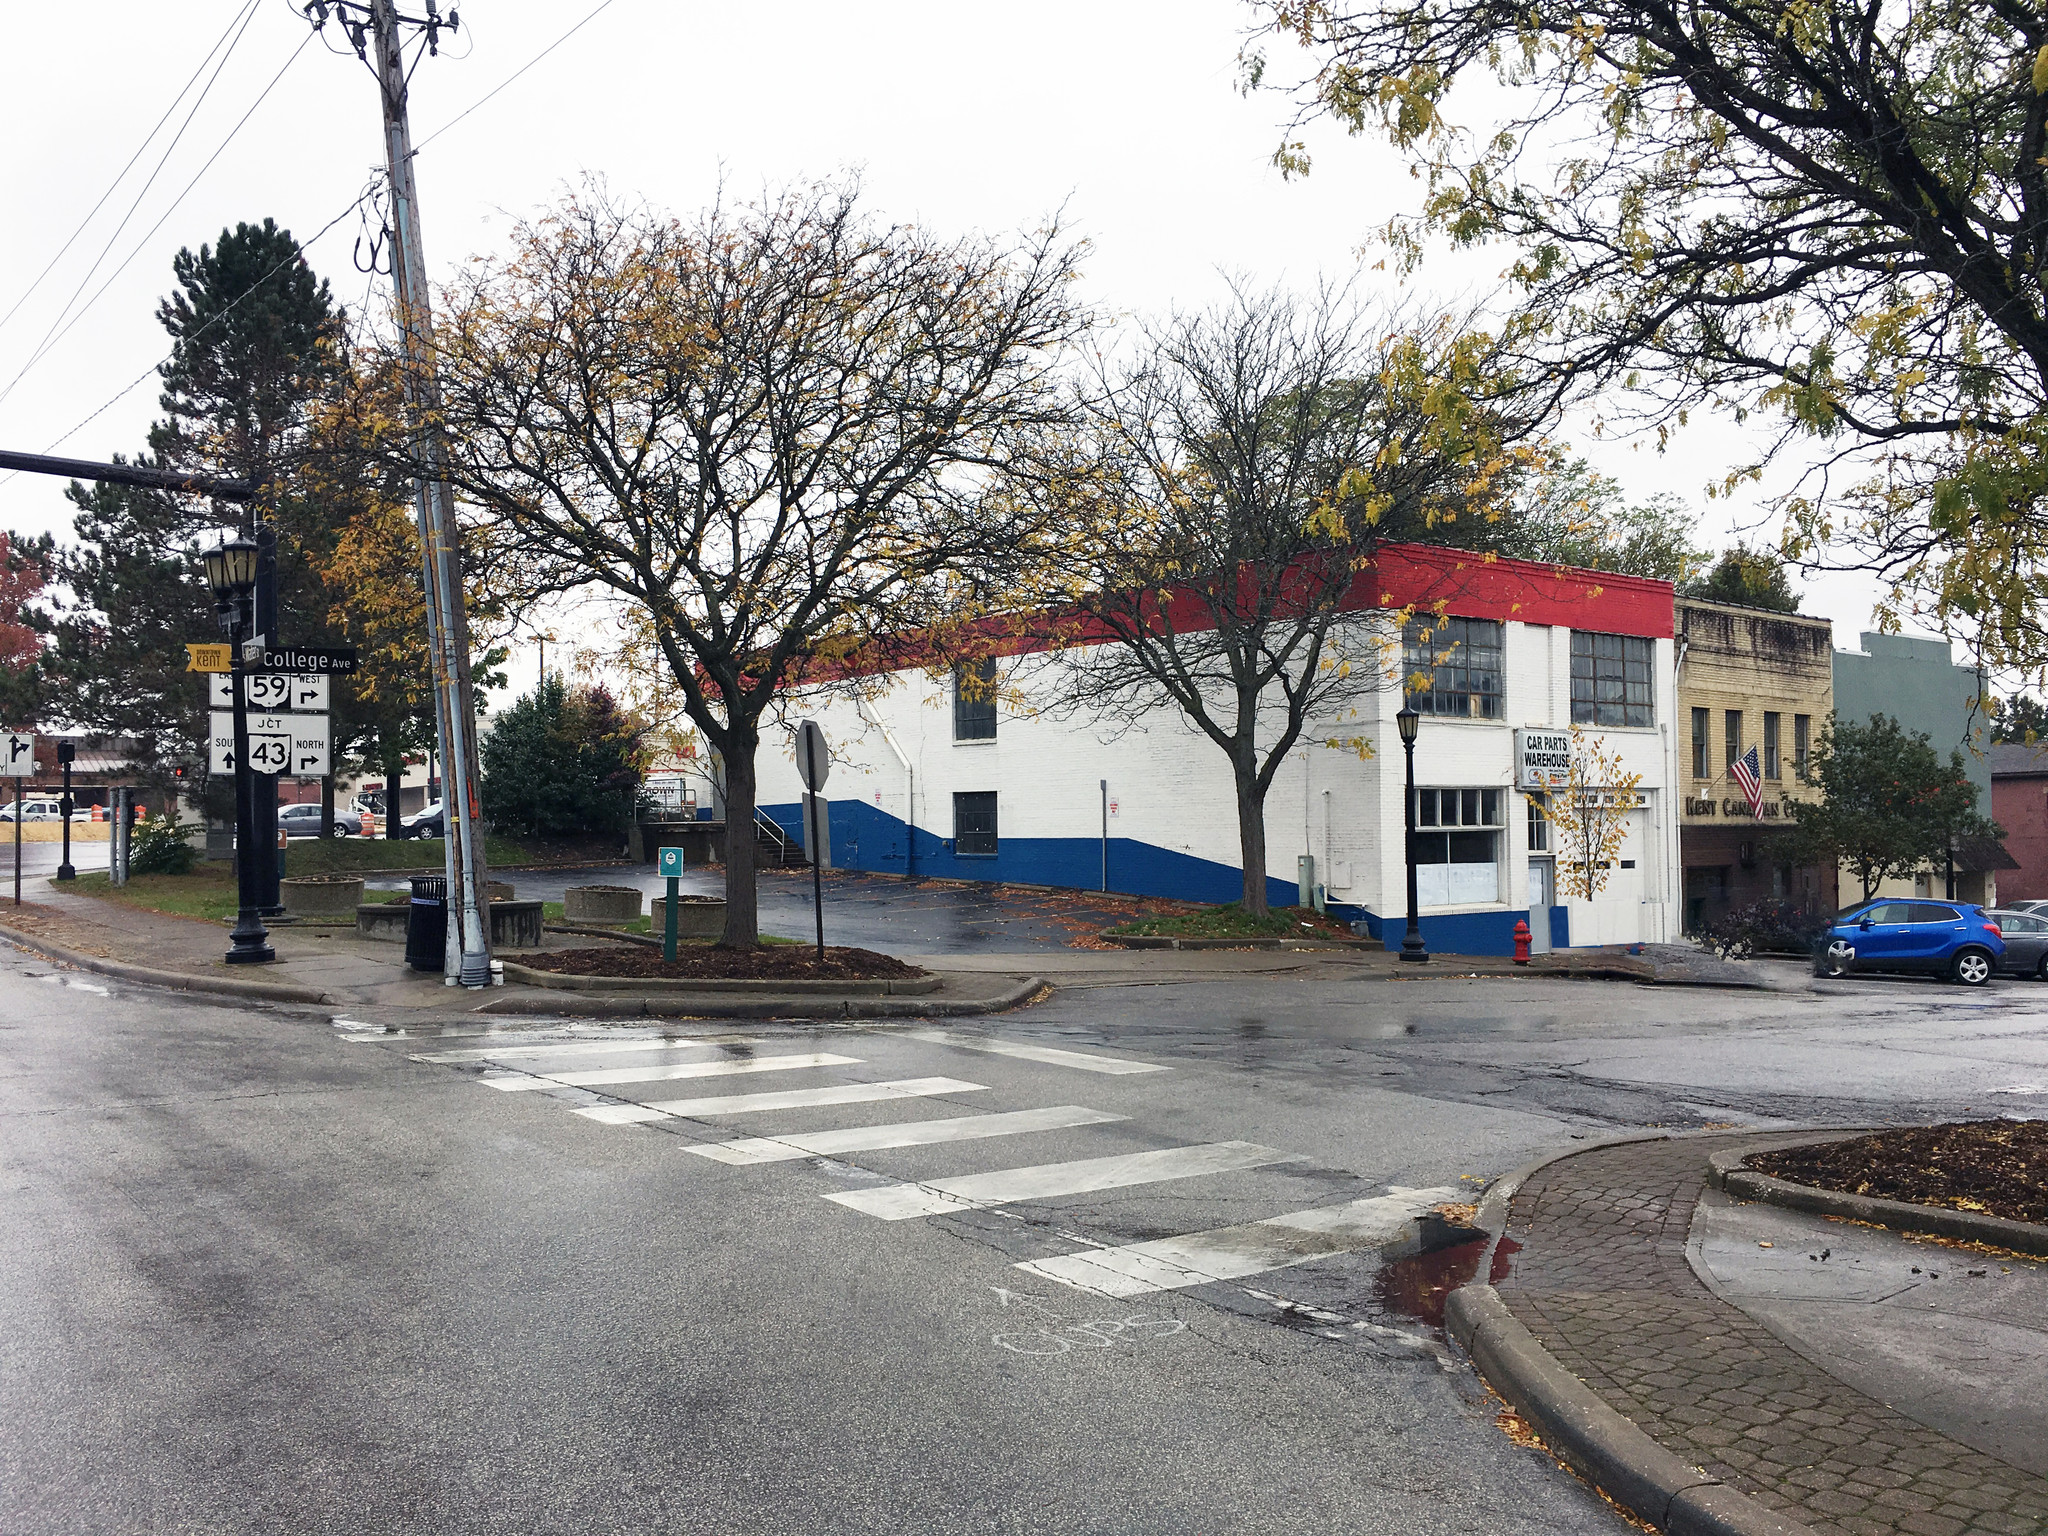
point(1468, 810)
point(1802, 730)
point(1613, 679)
point(1539, 828)
point(974, 700)
point(974, 823)
point(1453, 667)
point(1770, 744)
point(1699, 744)
point(1425, 807)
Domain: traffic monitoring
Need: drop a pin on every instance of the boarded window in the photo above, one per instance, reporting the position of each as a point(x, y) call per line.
point(974, 824)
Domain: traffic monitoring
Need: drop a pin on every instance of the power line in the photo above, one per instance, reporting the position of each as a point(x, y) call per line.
point(299, 249)
point(551, 47)
point(43, 346)
point(147, 140)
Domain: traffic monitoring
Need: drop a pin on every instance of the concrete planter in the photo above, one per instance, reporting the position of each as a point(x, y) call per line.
point(321, 895)
point(384, 920)
point(515, 924)
point(498, 890)
point(701, 917)
point(600, 904)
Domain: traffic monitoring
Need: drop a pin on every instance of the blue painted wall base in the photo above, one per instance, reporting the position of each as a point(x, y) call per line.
point(866, 837)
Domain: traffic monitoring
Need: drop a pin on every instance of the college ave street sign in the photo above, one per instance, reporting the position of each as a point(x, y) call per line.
point(304, 658)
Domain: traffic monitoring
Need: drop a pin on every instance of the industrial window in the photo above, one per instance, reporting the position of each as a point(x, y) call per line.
point(1457, 846)
point(1453, 667)
point(974, 824)
point(1731, 729)
point(1539, 826)
point(1771, 744)
point(1613, 679)
point(1701, 725)
point(1802, 745)
point(974, 700)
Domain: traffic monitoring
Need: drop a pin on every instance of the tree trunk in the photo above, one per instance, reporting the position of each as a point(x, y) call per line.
point(742, 878)
point(1251, 840)
point(327, 805)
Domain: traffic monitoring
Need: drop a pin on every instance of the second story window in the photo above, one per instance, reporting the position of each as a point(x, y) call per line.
point(974, 700)
point(1802, 745)
point(1613, 679)
point(1771, 745)
point(1452, 667)
point(1700, 727)
point(1731, 731)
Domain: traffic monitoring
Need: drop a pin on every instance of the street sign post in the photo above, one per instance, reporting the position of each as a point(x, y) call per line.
point(814, 762)
point(19, 763)
point(291, 744)
point(670, 863)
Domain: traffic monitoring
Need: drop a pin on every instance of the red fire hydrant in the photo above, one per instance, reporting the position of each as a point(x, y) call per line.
point(1522, 942)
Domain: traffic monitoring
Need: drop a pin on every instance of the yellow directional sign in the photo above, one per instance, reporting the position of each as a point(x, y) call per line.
point(208, 658)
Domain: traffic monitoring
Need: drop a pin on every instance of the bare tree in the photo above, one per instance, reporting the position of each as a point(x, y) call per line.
point(776, 430)
point(1239, 476)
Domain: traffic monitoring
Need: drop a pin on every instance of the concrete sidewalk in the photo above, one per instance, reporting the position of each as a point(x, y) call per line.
point(1821, 1369)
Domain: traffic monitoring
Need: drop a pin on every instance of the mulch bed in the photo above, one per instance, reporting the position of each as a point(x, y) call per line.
point(1992, 1167)
point(781, 962)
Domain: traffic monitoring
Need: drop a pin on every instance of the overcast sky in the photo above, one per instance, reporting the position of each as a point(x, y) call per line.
point(962, 117)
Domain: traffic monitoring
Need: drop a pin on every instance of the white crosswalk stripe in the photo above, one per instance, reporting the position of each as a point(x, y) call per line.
point(568, 1048)
point(1049, 1055)
point(980, 1191)
point(912, 1133)
point(1232, 1253)
point(795, 1098)
point(667, 1072)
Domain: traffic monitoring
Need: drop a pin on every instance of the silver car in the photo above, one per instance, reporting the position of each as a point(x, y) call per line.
point(2026, 940)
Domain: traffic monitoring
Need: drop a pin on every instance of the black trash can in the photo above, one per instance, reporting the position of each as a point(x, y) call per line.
point(426, 925)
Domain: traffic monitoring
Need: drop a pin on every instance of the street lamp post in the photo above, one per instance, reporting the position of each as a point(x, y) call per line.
point(231, 573)
point(1408, 720)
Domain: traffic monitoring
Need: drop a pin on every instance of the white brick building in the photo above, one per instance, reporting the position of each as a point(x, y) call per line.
point(1002, 793)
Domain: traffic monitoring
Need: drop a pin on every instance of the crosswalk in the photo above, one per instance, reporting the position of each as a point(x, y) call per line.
point(594, 1074)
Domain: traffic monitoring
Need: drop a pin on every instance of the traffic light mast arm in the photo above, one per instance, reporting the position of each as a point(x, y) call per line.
point(132, 474)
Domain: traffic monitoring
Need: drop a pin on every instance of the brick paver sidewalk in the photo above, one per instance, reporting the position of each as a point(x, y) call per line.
point(1602, 1281)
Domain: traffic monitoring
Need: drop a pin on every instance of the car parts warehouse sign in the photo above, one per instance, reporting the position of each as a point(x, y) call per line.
point(1543, 759)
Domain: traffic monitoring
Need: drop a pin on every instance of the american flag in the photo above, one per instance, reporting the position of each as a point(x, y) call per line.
point(1749, 774)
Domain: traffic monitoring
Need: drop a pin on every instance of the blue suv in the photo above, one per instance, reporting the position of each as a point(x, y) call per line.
point(1944, 938)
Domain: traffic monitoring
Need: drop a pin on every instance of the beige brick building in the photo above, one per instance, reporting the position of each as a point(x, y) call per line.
point(1747, 677)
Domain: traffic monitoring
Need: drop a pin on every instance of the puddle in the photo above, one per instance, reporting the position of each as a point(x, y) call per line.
point(1442, 1256)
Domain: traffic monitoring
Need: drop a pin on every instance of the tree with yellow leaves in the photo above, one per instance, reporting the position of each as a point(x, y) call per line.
point(1588, 814)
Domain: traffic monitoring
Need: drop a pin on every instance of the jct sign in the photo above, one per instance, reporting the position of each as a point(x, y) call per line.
point(1543, 759)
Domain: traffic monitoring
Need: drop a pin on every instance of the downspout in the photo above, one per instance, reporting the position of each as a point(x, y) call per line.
point(909, 785)
point(1674, 867)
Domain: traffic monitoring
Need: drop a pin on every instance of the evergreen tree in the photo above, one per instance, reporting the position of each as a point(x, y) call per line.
point(1755, 578)
point(561, 763)
point(2021, 719)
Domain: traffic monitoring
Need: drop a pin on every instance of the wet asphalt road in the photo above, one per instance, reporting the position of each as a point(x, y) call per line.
point(267, 1273)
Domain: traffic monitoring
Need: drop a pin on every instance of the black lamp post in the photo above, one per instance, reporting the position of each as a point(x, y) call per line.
point(67, 751)
point(231, 572)
point(1408, 720)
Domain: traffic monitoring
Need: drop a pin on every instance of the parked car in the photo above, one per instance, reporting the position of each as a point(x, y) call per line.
point(2026, 941)
point(1936, 937)
point(2023, 906)
point(34, 808)
point(425, 822)
point(304, 821)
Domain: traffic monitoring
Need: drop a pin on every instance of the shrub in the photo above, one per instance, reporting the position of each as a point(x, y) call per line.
point(1764, 928)
point(559, 763)
point(158, 846)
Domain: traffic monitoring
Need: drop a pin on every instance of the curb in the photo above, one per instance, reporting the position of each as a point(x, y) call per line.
point(1578, 1427)
point(182, 981)
point(635, 986)
point(731, 1006)
point(1726, 1173)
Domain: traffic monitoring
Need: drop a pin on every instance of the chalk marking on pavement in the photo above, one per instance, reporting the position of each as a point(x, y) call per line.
point(793, 1098)
point(979, 1191)
point(518, 1082)
point(1049, 1055)
point(567, 1048)
point(913, 1133)
point(1102, 1333)
point(1233, 1253)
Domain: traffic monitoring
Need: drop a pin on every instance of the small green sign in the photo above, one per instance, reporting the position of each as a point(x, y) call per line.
point(671, 862)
